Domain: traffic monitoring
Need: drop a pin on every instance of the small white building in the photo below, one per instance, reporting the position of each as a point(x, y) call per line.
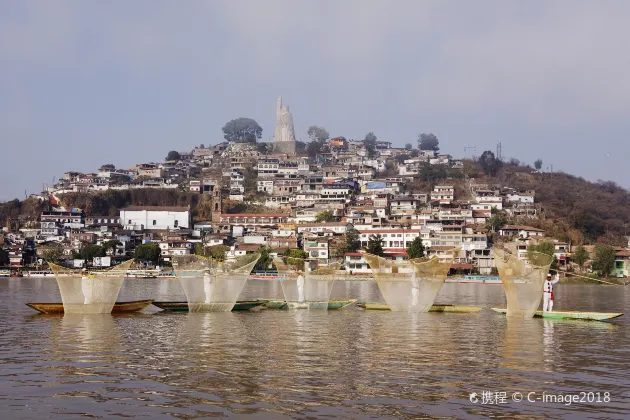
point(154, 217)
point(317, 248)
point(356, 264)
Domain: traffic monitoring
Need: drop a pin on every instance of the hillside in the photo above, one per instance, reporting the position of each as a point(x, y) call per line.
point(572, 208)
point(592, 211)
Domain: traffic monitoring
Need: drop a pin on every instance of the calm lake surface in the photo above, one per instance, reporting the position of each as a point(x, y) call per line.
point(299, 364)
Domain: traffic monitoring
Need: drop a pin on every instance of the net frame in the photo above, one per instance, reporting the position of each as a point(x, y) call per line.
point(211, 285)
point(523, 280)
point(313, 290)
point(410, 285)
point(89, 291)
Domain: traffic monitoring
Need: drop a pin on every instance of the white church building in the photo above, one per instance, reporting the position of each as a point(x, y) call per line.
point(155, 218)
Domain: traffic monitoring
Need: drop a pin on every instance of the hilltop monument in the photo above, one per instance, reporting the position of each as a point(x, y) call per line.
point(284, 136)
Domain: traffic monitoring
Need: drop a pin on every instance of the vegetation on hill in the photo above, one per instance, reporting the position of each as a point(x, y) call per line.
point(574, 208)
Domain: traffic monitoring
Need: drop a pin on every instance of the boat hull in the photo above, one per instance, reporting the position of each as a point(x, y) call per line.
point(332, 304)
point(243, 305)
point(378, 306)
point(586, 316)
point(119, 307)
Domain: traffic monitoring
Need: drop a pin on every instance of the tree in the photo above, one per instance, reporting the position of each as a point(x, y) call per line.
point(604, 259)
point(544, 247)
point(408, 146)
point(428, 142)
point(295, 257)
point(217, 252)
point(369, 142)
point(90, 251)
point(318, 134)
point(324, 216)
point(264, 148)
point(313, 148)
point(4, 257)
point(580, 256)
point(375, 245)
point(496, 222)
point(108, 166)
point(250, 178)
point(200, 249)
point(111, 244)
point(489, 163)
point(265, 259)
point(400, 159)
point(353, 242)
point(173, 155)
point(52, 252)
point(148, 252)
point(242, 130)
point(538, 164)
point(415, 249)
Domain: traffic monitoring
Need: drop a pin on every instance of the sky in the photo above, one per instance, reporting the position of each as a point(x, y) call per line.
point(85, 83)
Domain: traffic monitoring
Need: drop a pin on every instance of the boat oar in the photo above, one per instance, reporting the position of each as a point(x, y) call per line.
point(590, 278)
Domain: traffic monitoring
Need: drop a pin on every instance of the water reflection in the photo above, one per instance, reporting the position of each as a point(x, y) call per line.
point(306, 364)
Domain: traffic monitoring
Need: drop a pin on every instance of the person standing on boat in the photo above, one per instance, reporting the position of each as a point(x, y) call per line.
point(548, 292)
point(300, 286)
point(87, 285)
point(415, 289)
point(207, 286)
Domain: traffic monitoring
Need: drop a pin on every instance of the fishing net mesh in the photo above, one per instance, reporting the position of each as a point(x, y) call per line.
point(411, 285)
point(210, 285)
point(523, 280)
point(89, 292)
point(304, 289)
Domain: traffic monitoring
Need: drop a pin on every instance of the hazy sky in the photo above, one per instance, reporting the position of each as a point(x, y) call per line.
point(84, 83)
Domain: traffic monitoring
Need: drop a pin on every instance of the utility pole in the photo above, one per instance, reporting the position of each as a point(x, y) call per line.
point(499, 151)
point(471, 149)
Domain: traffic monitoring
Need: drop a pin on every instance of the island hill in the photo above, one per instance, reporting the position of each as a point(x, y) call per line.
point(325, 199)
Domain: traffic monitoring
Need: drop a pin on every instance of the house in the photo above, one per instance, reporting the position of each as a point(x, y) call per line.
point(622, 264)
point(150, 170)
point(336, 228)
point(393, 239)
point(561, 249)
point(355, 263)
point(253, 220)
point(173, 247)
point(317, 248)
point(444, 194)
point(521, 231)
point(521, 197)
point(82, 237)
point(154, 217)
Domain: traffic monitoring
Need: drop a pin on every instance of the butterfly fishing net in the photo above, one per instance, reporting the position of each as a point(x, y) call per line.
point(305, 289)
point(210, 285)
point(411, 285)
point(523, 280)
point(89, 292)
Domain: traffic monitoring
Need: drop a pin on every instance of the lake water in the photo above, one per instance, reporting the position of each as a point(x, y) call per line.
point(299, 364)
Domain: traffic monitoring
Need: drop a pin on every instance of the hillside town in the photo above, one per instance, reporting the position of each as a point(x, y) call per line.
point(328, 200)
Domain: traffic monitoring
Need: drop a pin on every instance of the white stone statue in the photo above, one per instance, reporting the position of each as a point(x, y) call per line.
point(284, 135)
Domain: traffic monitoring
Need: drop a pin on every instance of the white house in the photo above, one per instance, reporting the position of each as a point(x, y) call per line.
point(356, 264)
point(154, 217)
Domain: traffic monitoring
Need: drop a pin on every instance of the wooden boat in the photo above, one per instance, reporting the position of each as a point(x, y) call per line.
point(119, 307)
point(378, 306)
point(241, 305)
point(332, 304)
point(586, 316)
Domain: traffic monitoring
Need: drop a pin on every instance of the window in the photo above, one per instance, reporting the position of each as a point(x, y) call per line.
point(176, 223)
point(154, 222)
